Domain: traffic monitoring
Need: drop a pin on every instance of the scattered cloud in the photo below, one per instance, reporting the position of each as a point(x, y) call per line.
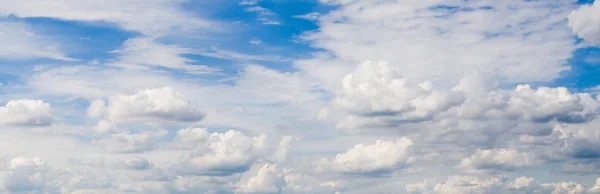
point(463, 103)
point(26, 113)
point(144, 52)
point(248, 2)
point(158, 103)
point(309, 16)
point(22, 42)
point(223, 154)
point(154, 18)
point(498, 160)
point(256, 42)
point(583, 22)
point(265, 16)
point(368, 159)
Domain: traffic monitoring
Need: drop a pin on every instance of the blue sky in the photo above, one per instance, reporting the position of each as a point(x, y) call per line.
point(299, 96)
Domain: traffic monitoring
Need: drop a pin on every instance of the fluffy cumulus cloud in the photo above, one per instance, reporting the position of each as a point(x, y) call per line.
point(381, 157)
point(379, 90)
point(26, 113)
point(498, 159)
point(375, 95)
point(32, 175)
point(222, 154)
point(158, 103)
point(584, 22)
point(268, 179)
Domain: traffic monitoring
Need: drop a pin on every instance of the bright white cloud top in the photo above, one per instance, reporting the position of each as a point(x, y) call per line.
point(328, 96)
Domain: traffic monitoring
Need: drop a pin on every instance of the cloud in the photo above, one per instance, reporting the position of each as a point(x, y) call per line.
point(22, 42)
point(565, 187)
point(256, 42)
point(584, 22)
point(32, 175)
point(202, 184)
point(309, 16)
point(379, 90)
point(135, 163)
point(131, 142)
point(268, 179)
point(265, 15)
point(442, 40)
point(248, 2)
point(579, 139)
point(496, 185)
point(145, 52)
point(465, 90)
point(154, 18)
point(375, 95)
point(233, 55)
point(498, 160)
point(381, 157)
point(158, 103)
point(26, 112)
point(224, 154)
point(596, 187)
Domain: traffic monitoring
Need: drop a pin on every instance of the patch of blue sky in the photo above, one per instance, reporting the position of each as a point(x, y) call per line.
point(584, 72)
point(585, 1)
point(85, 41)
point(252, 37)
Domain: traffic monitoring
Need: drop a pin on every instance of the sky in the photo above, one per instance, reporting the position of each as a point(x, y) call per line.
point(299, 96)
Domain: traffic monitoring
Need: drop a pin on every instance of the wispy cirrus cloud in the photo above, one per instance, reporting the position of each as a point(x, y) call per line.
point(265, 16)
point(22, 42)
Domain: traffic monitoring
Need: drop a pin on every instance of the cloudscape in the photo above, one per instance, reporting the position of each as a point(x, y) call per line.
point(299, 96)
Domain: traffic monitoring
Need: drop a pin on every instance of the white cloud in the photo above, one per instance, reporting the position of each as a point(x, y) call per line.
point(584, 22)
point(131, 142)
point(154, 18)
point(498, 160)
point(516, 41)
point(135, 163)
point(309, 16)
point(233, 55)
point(580, 139)
point(145, 52)
point(268, 179)
point(565, 187)
point(256, 42)
point(596, 187)
point(158, 103)
point(248, 2)
point(379, 90)
point(494, 185)
point(376, 95)
point(381, 157)
point(21, 42)
point(223, 154)
point(265, 15)
point(26, 113)
point(32, 175)
point(190, 138)
point(96, 109)
point(478, 122)
point(199, 184)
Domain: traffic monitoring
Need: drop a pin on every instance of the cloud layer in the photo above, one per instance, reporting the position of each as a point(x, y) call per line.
point(332, 96)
